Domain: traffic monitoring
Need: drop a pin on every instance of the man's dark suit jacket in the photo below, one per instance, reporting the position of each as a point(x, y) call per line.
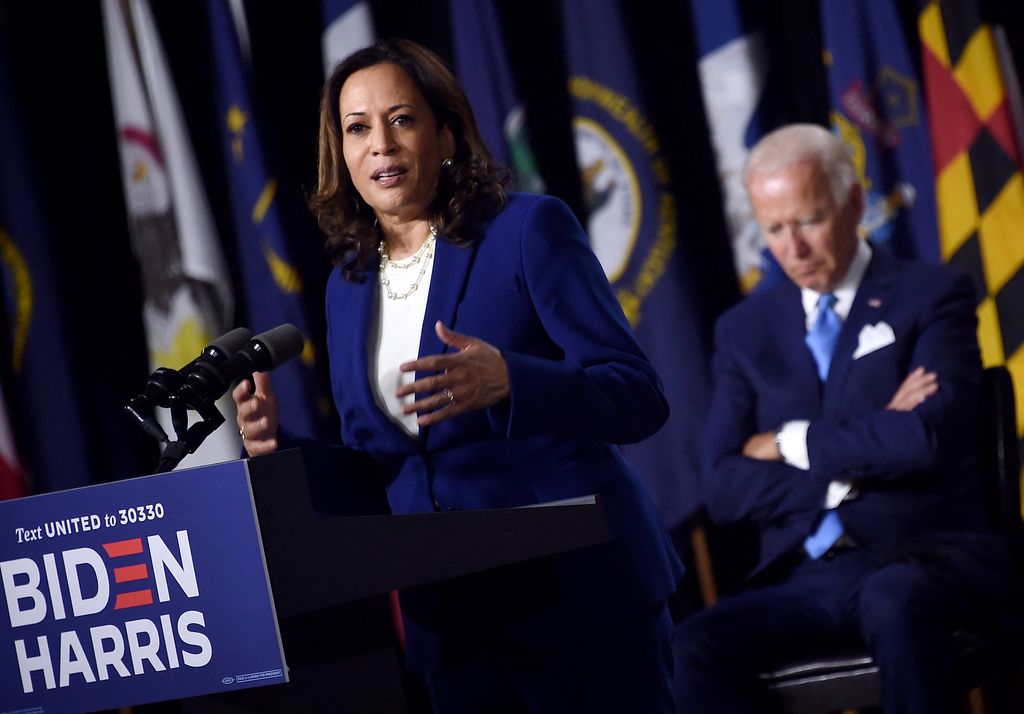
point(916, 472)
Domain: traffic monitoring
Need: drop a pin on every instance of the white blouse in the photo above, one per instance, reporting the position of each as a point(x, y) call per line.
point(396, 331)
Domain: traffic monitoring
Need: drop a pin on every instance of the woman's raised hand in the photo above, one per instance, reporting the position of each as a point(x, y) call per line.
point(474, 376)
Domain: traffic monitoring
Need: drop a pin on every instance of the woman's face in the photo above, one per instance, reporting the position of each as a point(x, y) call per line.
point(390, 141)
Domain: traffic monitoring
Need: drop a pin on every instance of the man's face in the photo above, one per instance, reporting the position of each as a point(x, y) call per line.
point(811, 237)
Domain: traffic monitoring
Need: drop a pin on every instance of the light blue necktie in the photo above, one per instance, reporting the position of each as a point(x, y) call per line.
point(821, 338)
point(825, 536)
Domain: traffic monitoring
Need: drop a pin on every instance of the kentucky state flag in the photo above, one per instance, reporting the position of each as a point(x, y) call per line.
point(482, 67)
point(633, 223)
point(879, 110)
point(42, 395)
point(272, 283)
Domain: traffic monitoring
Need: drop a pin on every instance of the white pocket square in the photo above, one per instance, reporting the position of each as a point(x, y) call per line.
point(874, 337)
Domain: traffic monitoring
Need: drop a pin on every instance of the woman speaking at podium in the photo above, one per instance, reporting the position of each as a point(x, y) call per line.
point(478, 355)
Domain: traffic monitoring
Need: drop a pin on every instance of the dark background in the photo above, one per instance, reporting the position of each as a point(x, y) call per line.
point(59, 69)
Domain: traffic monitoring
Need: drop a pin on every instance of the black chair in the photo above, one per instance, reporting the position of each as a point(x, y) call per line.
point(848, 679)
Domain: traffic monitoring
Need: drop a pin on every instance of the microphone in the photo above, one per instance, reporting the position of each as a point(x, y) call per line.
point(222, 348)
point(198, 384)
point(165, 382)
point(206, 379)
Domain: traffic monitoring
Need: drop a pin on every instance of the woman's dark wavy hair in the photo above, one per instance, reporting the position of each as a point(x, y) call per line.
point(469, 193)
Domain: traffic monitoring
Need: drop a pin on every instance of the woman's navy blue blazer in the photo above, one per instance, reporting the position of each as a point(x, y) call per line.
point(580, 384)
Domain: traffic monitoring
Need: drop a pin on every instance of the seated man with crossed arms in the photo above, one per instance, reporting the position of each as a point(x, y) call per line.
point(844, 424)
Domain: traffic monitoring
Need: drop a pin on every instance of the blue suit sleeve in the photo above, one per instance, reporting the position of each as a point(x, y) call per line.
point(887, 444)
point(738, 488)
point(603, 388)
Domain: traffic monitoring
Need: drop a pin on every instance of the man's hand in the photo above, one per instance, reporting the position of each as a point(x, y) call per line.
point(762, 447)
point(916, 388)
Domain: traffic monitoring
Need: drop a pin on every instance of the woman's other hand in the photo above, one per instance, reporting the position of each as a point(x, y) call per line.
point(473, 377)
point(257, 414)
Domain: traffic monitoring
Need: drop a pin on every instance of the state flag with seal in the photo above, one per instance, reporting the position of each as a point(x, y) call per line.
point(633, 223)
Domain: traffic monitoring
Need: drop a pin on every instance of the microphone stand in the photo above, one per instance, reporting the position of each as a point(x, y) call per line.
point(198, 384)
point(162, 390)
point(188, 437)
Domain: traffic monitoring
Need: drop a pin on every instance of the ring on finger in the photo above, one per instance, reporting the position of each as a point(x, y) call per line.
point(241, 433)
point(447, 391)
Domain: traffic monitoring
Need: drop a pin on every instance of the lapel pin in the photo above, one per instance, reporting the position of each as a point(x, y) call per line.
point(874, 302)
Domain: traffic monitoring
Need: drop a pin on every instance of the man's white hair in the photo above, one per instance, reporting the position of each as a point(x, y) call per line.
point(796, 143)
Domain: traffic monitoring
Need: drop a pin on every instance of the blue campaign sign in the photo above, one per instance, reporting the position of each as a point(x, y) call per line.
point(137, 591)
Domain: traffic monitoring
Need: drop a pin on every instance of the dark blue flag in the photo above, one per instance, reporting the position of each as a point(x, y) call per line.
point(633, 225)
point(482, 67)
point(879, 110)
point(273, 285)
point(43, 399)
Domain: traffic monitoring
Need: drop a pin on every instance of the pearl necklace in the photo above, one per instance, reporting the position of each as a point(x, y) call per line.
point(421, 257)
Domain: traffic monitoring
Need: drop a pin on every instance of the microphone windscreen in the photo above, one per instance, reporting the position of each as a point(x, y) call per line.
point(282, 342)
point(231, 342)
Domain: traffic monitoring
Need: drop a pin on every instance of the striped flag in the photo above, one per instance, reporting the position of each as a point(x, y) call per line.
point(632, 224)
point(273, 286)
point(979, 187)
point(482, 67)
point(13, 483)
point(348, 26)
point(42, 395)
point(878, 109)
point(188, 298)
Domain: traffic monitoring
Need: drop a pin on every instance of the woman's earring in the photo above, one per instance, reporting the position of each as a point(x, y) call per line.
point(447, 163)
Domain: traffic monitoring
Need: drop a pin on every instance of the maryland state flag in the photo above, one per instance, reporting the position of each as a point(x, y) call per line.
point(878, 110)
point(632, 222)
point(978, 186)
point(272, 283)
